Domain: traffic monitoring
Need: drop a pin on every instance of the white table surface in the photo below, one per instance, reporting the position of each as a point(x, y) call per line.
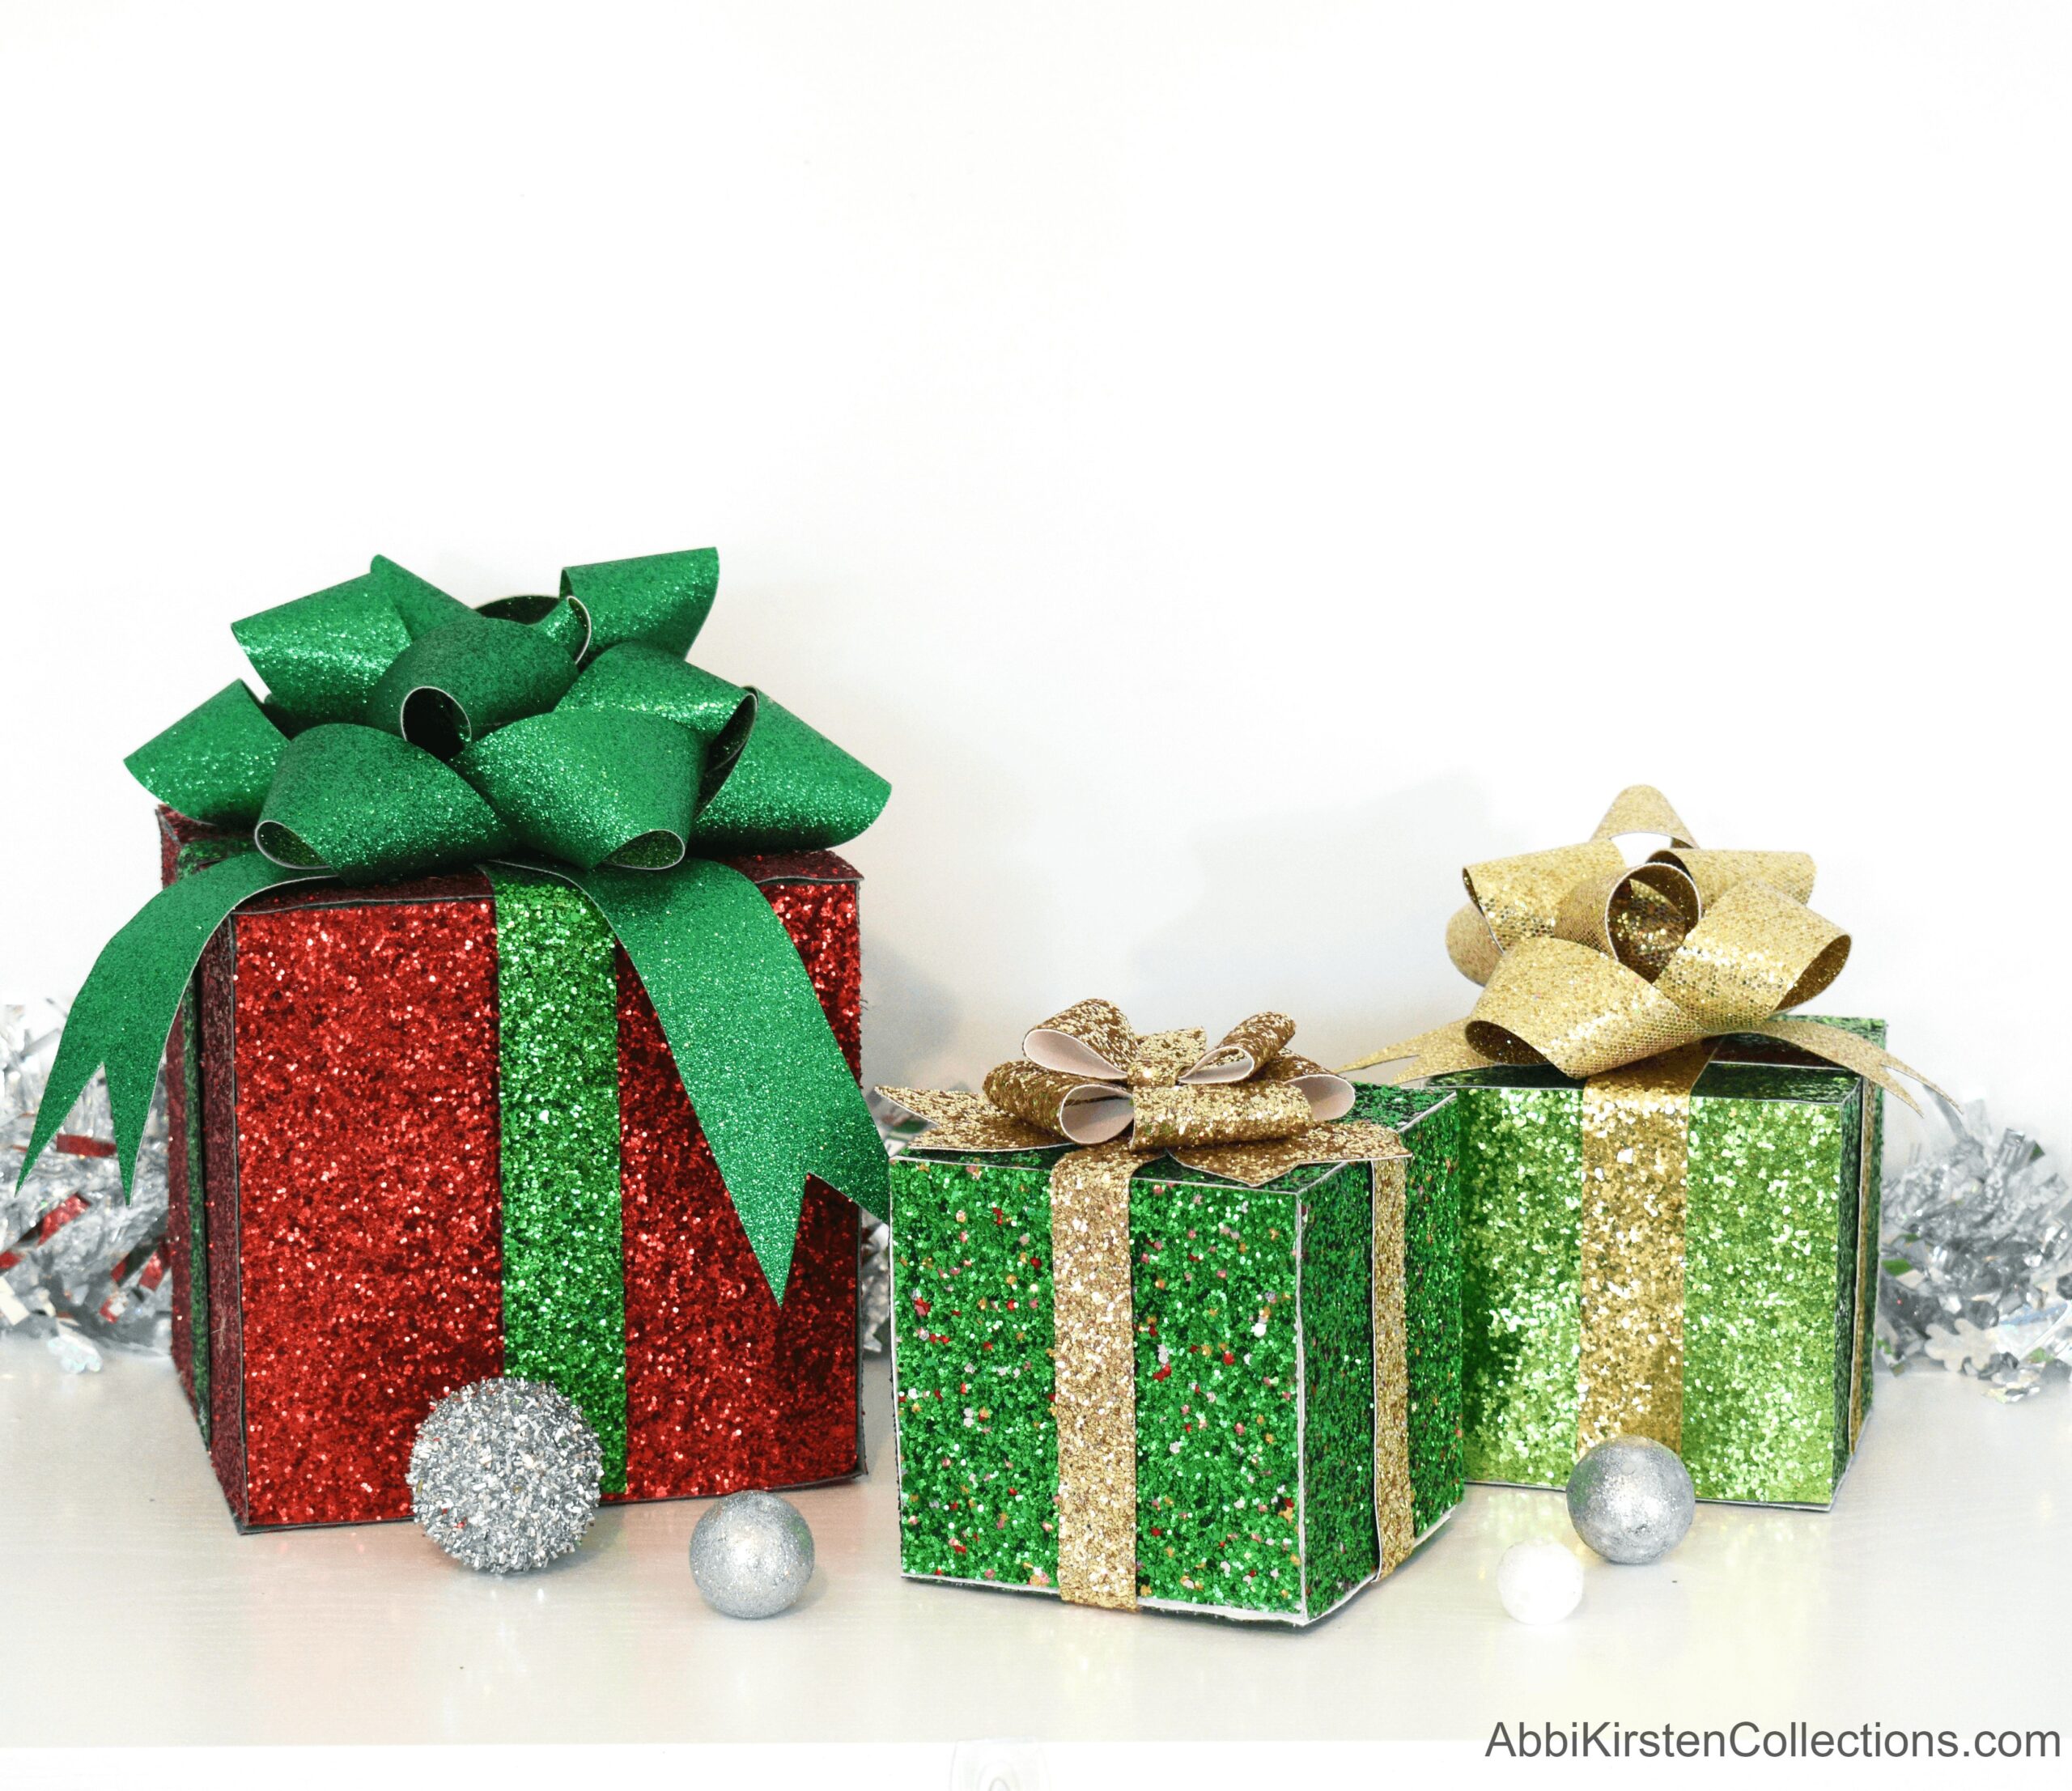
point(131, 1611)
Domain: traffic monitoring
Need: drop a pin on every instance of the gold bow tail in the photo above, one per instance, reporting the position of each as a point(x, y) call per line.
point(1247, 1110)
point(1630, 978)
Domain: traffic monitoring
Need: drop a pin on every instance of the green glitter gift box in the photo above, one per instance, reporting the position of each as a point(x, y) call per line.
point(1775, 1245)
point(1255, 1352)
point(1669, 1179)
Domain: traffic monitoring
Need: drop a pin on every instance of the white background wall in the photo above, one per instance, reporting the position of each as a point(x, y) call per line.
point(1228, 465)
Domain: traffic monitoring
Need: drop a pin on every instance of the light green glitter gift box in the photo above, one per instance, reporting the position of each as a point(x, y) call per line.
point(1777, 1242)
point(1127, 1380)
point(1668, 1185)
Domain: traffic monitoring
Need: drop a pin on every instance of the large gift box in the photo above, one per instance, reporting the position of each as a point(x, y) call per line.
point(514, 1031)
point(385, 1181)
point(1669, 1190)
point(1125, 1379)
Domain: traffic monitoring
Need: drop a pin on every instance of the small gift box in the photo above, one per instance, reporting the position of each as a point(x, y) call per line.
point(514, 1030)
point(1168, 1336)
point(1669, 1192)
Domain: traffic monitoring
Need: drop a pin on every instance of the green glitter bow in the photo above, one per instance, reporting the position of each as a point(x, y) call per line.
point(405, 733)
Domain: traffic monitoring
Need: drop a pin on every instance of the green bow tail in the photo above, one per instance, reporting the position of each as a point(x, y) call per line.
point(404, 732)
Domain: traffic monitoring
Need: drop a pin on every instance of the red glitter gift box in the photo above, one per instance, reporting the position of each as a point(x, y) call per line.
point(336, 1218)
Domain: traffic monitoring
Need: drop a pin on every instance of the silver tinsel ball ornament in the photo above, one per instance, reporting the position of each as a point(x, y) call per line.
point(752, 1555)
point(505, 1474)
point(1630, 1498)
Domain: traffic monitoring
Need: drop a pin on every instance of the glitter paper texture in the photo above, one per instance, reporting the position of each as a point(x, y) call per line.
point(1096, 1394)
point(1769, 1293)
point(1164, 1089)
point(216, 1017)
point(1354, 1398)
point(1391, 1422)
point(1636, 1126)
point(1771, 1308)
point(564, 1301)
point(1253, 1391)
point(1521, 1196)
point(358, 1235)
point(1433, 1298)
point(186, 1219)
point(726, 1391)
point(776, 1095)
point(1221, 1519)
point(368, 1225)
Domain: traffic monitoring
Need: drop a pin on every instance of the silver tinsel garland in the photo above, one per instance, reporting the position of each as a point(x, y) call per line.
point(898, 1128)
point(1976, 1273)
point(874, 1284)
point(79, 1266)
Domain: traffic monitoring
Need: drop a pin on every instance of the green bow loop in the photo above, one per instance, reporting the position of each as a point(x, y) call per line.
point(562, 618)
point(321, 656)
point(462, 681)
point(656, 682)
point(591, 787)
point(661, 599)
point(786, 788)
point(771, 784)
point(404, 732)
point(215, 763)
point(369, 807)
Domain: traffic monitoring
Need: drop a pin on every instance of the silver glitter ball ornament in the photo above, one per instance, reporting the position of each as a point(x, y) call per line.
point(1630, 1498)
point(752, 1555)
point(504, 1474)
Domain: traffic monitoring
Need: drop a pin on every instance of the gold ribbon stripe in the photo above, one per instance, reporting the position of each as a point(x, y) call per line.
point(1395, 1522)
point(1636, 1126)
point(1094, 1316)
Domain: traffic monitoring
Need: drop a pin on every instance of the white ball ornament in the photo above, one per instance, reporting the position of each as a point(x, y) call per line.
point(1540, 1582)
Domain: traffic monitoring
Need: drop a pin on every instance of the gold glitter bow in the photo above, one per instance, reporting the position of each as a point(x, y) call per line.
point(1245, 1109)
point(1590, 965)
point(1249, 1109)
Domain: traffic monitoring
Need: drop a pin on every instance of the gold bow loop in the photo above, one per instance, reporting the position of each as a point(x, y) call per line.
point(1590, 965)
point(1247, 1108)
